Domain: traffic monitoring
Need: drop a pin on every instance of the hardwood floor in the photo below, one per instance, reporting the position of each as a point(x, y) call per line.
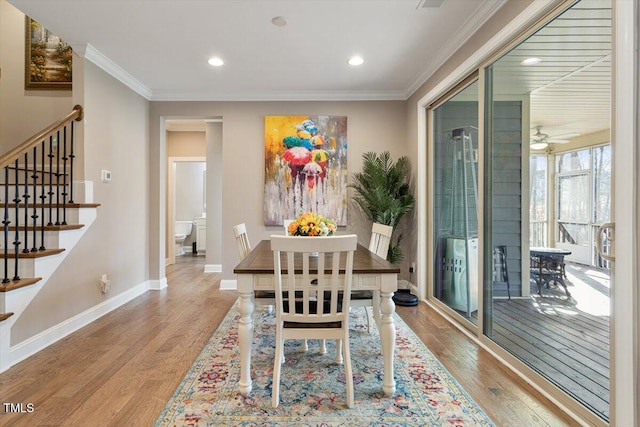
point(122, 369)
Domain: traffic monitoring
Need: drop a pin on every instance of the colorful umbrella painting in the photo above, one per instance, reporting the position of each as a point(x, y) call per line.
point(311, 168)
point(297, 156)
point(319, 155)
point(305, 167)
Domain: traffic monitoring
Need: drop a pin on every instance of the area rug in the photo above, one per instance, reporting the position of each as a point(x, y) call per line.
point(312, 389)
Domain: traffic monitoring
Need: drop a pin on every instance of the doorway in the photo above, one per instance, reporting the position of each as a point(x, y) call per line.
point(187, 200)
point(186, 185)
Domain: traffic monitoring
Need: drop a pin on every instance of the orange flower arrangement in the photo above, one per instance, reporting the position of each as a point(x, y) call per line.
point(312, 224)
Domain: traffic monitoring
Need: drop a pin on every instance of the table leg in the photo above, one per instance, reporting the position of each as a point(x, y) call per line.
point(245, 338)
point(387, 330)
point(376, 308)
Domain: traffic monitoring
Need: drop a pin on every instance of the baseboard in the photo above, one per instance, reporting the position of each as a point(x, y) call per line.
point(156, 285)
point(44, 339)
point(228, 285)
point(213, 268)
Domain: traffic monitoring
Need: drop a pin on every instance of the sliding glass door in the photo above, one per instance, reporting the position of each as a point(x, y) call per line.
point(455, 202)
point(546, 94)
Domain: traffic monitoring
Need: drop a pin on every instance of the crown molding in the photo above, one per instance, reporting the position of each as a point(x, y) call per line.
point(96, 57)
point(486, 10)
point(392, 95)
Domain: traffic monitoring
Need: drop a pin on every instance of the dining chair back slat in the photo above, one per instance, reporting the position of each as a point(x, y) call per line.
point(242, 240)
point(286, 223)
point(380, 239)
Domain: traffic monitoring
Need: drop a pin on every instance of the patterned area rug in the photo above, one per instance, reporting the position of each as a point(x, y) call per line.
point(312, 389)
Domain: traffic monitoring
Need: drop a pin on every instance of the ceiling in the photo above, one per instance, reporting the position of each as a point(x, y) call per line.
point(161, 48)
point(570, 89)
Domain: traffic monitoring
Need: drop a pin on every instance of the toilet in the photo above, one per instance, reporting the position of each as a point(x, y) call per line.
point(182, 231)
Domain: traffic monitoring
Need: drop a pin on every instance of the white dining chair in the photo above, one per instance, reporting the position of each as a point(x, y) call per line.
point(286, 223)
point(322, 312)
point(262, 298)
point(380, 239)
point(242, 240)
point(379, 244)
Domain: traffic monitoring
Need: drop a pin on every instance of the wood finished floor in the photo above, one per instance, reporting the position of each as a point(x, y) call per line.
point(122, 369)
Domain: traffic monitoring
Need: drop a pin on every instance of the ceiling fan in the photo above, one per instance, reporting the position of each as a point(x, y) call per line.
point(540, 141)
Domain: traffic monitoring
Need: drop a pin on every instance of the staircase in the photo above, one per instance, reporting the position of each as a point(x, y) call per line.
point(41, 222)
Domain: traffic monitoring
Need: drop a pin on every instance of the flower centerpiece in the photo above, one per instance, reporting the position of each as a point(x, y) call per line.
point(311, 224)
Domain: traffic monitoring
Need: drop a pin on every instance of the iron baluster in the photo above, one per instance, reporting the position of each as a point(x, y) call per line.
point(43, 197)
point(64, 177)
point(26, 197)
point(16, 242)
point(34, 213)
point(58, 179)
point(5, 224)
point(71, 157)
point(50, 175)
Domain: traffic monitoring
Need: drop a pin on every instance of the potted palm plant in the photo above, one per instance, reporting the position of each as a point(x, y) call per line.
point(383, 192)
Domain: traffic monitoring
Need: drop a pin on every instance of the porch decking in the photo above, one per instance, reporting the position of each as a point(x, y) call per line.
point(565, 339)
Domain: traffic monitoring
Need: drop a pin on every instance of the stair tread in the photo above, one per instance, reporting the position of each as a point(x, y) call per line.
point(47, 227)
point(5, 316)
point(17, 284)
point(38, 254)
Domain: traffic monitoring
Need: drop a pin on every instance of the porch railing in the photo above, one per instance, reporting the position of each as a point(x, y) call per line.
point(41, 168)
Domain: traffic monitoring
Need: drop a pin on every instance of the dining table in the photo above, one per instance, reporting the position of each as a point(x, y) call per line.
point(370, 272)
point(547, 266)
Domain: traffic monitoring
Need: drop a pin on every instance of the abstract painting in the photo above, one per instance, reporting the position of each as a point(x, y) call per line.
point(305, 159)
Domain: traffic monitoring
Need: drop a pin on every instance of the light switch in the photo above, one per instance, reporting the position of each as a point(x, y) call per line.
point(106, 176)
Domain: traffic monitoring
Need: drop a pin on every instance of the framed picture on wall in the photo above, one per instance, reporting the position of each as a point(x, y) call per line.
point(305, 167)
point(48, 59)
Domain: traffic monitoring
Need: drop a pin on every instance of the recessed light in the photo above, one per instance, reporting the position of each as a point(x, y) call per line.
point(355, 60)
point(279, 21)
point(216, 62)
point(531, 61)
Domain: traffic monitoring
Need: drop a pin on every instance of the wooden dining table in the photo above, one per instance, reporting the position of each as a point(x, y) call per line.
point(370, 272)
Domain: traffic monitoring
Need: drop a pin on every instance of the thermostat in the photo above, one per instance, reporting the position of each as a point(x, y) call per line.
point(106, 176)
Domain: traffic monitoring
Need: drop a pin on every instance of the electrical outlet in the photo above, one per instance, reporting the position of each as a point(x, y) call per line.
point(104, 284)
point(412, 267)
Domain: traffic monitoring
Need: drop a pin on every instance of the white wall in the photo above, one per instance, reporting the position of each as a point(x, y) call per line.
point(189, 190)
point(22, 112)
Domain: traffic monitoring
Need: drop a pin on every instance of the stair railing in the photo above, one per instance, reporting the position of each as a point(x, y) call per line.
point(41, 167)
